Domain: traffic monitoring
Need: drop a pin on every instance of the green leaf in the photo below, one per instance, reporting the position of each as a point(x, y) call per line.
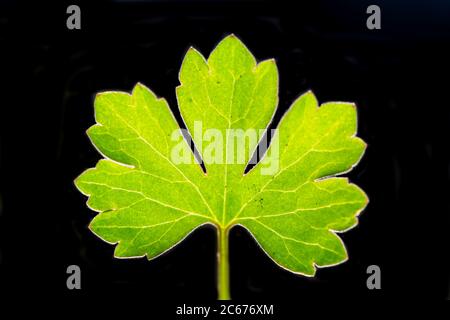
point(291, 201)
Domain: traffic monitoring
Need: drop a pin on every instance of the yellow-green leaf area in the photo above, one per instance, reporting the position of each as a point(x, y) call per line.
point(294, 205)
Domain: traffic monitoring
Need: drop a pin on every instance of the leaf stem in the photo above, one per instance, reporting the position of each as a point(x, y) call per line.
point(223, 268)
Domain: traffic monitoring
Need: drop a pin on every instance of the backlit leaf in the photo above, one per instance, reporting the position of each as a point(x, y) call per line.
point(291, 202)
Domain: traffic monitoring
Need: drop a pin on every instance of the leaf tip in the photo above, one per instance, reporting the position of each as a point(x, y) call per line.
point(269, 62)
point(309, 95)
point(193, 53)
point(233, 40)
point(191, 50)
point(93, 227)
point(77, 180)
point(137, 87)
point(90, 226)
point(364, 144)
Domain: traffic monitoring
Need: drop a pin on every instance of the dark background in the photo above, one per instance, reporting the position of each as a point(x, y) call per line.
point(398, 77)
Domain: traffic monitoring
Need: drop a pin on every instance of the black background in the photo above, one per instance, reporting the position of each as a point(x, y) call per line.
point(398, 77)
